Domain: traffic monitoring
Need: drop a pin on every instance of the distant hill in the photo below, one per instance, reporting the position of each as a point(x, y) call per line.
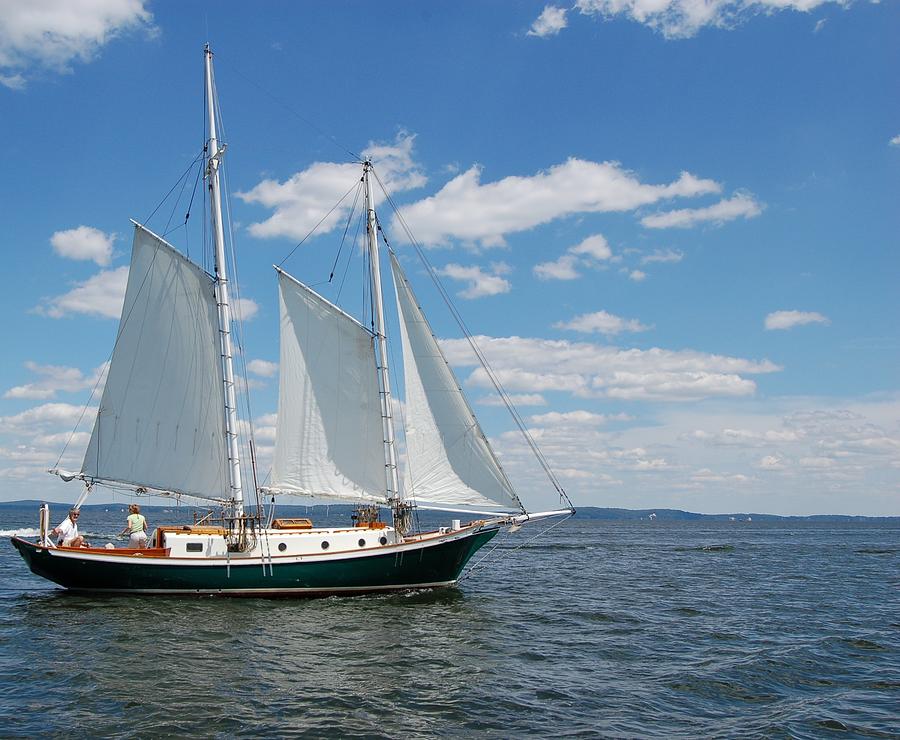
point(585, 512)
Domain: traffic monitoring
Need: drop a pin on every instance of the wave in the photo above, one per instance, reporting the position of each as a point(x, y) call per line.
point(706, 548)
point(24, 532)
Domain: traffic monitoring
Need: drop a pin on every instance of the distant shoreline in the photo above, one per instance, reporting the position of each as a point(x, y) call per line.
point(584, 512)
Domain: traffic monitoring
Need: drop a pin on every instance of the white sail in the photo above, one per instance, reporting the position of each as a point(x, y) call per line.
point(449, 460)
point(329, 438)
point(161, 418)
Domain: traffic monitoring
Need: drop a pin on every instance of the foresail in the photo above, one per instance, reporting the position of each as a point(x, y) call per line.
point(329, 440)
point(449, 460)
point(161, 418)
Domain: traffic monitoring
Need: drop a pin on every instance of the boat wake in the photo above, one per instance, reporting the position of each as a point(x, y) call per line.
point(24, 532)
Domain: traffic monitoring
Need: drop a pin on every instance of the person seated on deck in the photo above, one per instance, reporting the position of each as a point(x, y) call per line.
point(67, 531)
point(136, 528)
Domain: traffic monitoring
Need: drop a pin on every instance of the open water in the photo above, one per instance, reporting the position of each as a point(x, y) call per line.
point(597, 629)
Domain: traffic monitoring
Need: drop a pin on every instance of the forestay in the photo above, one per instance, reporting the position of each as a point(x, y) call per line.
point(330, 440)
point(449, 460)
point(161, 418)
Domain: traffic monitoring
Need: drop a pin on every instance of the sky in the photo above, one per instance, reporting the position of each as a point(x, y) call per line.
point(672, 225)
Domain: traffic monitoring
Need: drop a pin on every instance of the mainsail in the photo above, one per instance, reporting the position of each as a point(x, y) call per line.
point(330, 440)
point(161, 418)
point(449, 460)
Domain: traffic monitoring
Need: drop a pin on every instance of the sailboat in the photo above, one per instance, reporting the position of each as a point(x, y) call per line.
point(167, 425)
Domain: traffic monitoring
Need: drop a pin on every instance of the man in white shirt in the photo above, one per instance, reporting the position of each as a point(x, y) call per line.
point(67, 532)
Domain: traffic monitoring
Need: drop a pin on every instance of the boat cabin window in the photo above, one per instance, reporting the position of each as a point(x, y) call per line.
point(282, 547)
point(195, 547)
point(325, 545)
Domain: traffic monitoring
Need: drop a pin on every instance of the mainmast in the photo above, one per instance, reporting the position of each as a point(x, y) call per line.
point(384, 381)
point(215, 204)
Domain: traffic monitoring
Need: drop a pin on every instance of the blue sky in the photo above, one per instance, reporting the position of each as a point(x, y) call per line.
point(673, 225)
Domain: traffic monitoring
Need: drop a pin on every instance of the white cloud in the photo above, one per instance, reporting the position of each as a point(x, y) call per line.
point(588, 253)
point(305, 198)
point(517, 399)
point(576, 418)
point(589, 370)
point(262, 368)
point(895, 141)
point(54, 378)
point(38, 417)
point(669, 255)
point(790, 319)
point(741, 205)
point(84, 243)
point(602, 323)
point(471, 211)
point(245, 309)
point(100, 295)
point(51, 34)
point(480, 283)
point(637, 276)
point(564, 268)
point(684, 18)
point(549, 23)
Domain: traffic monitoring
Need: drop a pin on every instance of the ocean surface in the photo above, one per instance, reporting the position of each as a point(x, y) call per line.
point(595, 629)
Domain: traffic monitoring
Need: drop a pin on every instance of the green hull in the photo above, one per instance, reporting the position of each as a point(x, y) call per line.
point(425, 565)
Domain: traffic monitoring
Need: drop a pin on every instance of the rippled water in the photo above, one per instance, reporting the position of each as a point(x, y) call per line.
point(621, 629)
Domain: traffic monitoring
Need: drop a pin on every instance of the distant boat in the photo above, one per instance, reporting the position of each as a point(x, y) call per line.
point(749, 518)
point(731, 519)
point(334, 441)
point(652, 517)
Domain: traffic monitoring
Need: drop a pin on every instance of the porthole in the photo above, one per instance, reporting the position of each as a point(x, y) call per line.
point(325, 545)
point(362, 543)
point(383, 540)
point(282, 547)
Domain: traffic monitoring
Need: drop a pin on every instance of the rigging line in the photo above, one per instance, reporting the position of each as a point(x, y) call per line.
point(346, 229)
point(321, 221)
point(183, 175)
point(190, 207)
point(498, 386)
point(475, 566)
point(184, 181)
point(359, 223)
point(313, 126)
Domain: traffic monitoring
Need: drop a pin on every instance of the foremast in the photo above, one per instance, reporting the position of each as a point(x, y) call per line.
point(384, 382)
point(215, 203)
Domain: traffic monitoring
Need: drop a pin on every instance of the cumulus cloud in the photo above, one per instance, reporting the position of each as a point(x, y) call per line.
point(660, 255)
point(38, 417)
point(637, 276)
point(577, 418)
point(602, 323)
point(100, 295)
point(684, 18)
point(591, 252)
point(587, 370)
point(790, 319)
point(549, 23)
point(84, 243)
point(308, 197)
point(55, 378)
point(895, 141)
point(52, 34)
point(517, 399)
point(480, 283)
point(245, 309)
point(474, 212)
point(262, 368)
point(741, 205)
